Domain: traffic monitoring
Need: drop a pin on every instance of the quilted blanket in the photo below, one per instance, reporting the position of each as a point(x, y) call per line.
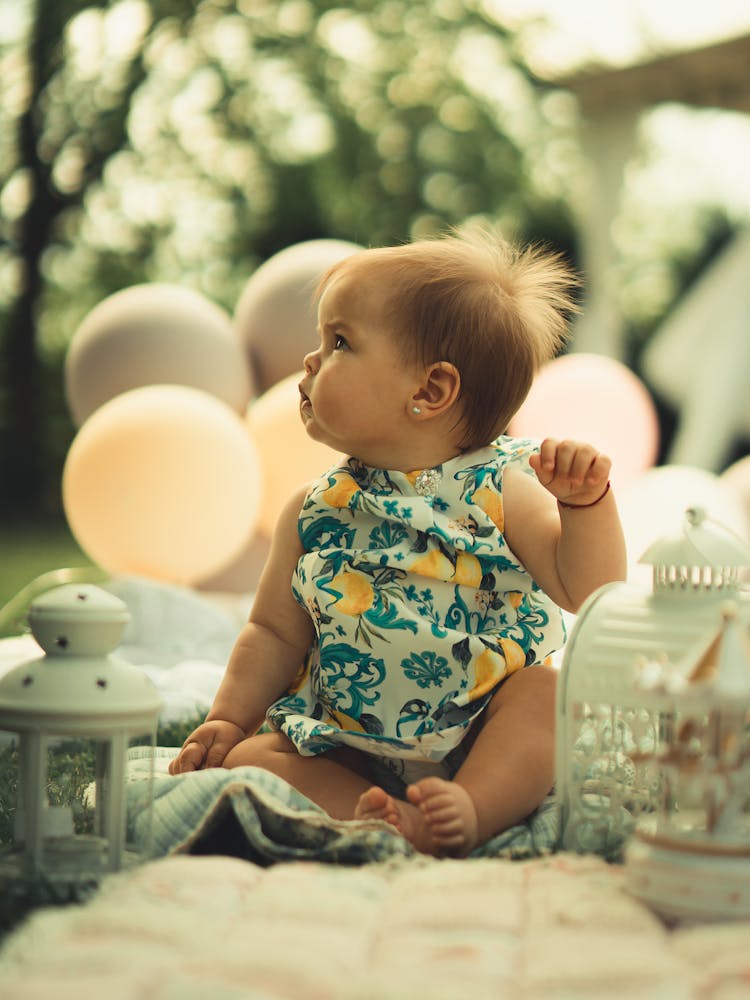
point(192, 928)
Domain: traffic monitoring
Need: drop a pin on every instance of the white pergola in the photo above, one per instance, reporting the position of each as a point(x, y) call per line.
point(711, 388)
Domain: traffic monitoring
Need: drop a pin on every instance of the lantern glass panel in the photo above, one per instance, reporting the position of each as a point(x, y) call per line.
point(67, 810)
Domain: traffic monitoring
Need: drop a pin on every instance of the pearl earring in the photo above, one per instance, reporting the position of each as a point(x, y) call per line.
point(416, 409)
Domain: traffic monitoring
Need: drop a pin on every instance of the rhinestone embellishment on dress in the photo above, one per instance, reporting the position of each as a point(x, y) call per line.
point(427, 481)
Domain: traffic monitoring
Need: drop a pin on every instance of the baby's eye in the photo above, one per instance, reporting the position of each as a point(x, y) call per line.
point(340, 343)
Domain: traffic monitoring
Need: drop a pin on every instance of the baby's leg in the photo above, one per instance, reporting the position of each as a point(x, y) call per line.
point(507, 773)
point(337, 781)
point(331, 780)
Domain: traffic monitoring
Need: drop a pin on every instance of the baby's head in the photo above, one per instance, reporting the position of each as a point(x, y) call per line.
point(494, 312)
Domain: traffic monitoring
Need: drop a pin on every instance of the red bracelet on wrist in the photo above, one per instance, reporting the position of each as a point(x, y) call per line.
point(583, 506)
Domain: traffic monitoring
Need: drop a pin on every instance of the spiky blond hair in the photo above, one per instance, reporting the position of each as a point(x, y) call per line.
point(495, 311)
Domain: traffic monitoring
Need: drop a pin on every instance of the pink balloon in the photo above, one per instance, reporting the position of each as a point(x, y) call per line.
point(163, 482)
point(592, 398)
point(288, 457)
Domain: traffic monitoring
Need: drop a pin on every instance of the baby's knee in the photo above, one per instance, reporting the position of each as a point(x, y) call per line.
point(536, 684)
point(259, 751)
point(542, 677)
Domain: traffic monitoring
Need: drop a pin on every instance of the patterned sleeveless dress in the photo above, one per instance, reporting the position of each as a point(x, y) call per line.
point(420, 608)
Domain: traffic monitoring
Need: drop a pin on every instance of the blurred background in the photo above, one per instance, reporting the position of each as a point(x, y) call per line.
point(167, 141)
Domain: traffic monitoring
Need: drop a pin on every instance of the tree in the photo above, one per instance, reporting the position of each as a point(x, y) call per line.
point(60, 152)
point(187, 142)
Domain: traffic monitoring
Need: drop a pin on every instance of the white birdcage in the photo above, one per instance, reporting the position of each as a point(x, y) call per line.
point(690, 858)
point(67, 720)
point(610, 729)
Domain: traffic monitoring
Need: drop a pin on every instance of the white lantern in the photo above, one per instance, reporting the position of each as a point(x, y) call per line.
point(609, 728)
point(67, 720)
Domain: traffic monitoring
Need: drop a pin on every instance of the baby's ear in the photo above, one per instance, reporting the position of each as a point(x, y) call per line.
point(439, 389)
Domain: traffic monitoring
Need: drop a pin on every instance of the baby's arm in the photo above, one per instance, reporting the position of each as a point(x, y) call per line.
point(265, 659)
point(569, 550)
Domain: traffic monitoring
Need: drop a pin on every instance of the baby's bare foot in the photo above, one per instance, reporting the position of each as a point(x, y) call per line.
point(449, 814)
point(376, 803)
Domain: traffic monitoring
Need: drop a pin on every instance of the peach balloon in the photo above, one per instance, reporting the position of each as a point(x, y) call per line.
point(275, 315)
point(163, 482)
point(288, 457)
point(588, 397)
point(154, 334)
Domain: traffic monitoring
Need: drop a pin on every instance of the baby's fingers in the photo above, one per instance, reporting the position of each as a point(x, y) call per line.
point(544, 462)
point(189, 758)
point(574, 461)
point(599, 469)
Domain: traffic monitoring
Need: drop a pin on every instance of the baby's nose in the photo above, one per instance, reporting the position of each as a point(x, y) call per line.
point(311, 362)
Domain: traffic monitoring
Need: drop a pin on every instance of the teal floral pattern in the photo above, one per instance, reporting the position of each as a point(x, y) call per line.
point(420, 608)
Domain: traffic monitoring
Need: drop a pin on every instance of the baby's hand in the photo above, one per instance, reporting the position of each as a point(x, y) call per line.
point(207, 746)
point(574, 472)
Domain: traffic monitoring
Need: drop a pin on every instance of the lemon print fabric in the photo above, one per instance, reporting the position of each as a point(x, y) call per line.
point(420, 607)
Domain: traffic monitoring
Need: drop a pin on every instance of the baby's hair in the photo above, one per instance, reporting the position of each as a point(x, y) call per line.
point(495, 311)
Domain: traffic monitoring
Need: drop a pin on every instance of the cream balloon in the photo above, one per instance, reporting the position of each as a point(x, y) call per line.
point(588, 397)
point(163, 482)
point(653, 507)
point(737, 480)
point(154, 334)
point(288, 457)
point(275, 314)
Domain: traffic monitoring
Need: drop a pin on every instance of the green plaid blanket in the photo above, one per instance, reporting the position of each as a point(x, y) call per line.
point(252, 814)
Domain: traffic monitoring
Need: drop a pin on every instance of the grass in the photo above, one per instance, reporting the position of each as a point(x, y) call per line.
point(30, 548)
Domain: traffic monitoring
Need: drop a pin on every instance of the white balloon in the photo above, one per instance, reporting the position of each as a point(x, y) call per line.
point(737, 480)
point(154, 334)
point(275, 315)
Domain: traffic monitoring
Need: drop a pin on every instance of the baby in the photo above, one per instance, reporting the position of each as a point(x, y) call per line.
point(397, 642)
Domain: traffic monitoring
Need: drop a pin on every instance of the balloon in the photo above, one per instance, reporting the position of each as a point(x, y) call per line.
point(163, 482)
point(275, 315)
point(154, 334)
point(289, 458)
point(588, 397)
point(737, 480)
point(242, 574)
point(654, 506)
